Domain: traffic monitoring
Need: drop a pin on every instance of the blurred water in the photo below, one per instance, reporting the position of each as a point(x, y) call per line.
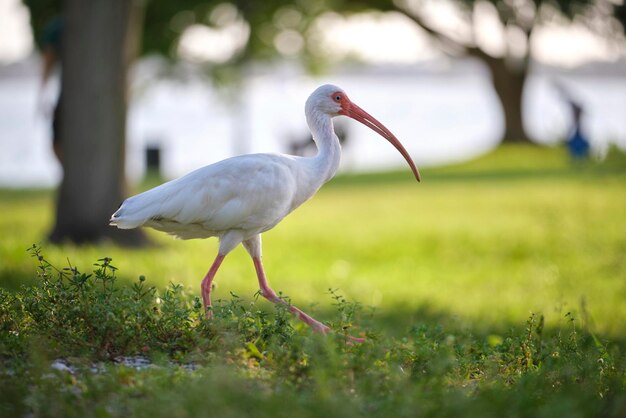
point(441, 113)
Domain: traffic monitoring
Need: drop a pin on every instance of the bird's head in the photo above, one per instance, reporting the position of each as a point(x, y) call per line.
point(326, 99)
point(333, 101)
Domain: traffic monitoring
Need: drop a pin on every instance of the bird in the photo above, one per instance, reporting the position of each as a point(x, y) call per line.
point(239, 198)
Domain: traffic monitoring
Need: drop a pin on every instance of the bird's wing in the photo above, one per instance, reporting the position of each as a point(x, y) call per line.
point(248, 193)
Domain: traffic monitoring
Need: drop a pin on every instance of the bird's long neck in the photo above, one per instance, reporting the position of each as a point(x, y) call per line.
point(326, 162)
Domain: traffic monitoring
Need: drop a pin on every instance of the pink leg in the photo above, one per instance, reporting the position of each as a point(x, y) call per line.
point(206, 285)
point(270, 295)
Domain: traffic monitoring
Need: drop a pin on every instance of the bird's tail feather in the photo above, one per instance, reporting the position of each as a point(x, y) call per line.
point(137, 210)
point(127, 217)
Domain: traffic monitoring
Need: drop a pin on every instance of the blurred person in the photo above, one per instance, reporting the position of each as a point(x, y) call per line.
point(51, 59)
point(577, 143)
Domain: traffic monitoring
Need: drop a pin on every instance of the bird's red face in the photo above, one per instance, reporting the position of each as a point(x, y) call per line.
point(348, 108)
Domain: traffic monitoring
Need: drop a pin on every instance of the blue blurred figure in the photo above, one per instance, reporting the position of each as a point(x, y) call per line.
point(577, 143)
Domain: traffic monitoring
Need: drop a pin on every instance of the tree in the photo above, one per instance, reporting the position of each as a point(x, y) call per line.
point(517, 20)
point(99, 41)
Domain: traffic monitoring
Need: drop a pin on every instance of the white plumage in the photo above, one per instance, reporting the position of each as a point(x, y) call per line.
point(239, 198)
point(216, 199)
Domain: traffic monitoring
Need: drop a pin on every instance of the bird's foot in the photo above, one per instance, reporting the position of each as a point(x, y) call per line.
point(350, 339)
point(325, 329)
point(209, 312)
point(318, 326)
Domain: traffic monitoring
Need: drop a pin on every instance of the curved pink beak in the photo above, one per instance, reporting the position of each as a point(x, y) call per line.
point(355, 112)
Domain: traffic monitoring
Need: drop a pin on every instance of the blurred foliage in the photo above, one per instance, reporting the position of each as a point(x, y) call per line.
point(165, 20)
point(604, 17)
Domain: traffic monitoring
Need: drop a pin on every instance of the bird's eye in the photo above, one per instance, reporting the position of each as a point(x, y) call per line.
point(338, 98)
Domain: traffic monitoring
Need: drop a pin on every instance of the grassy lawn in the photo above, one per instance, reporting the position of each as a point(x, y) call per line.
point(493, 288)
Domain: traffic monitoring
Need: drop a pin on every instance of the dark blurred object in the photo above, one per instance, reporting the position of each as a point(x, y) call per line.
point(51, 47)
point(304, 145)
point(153, 159)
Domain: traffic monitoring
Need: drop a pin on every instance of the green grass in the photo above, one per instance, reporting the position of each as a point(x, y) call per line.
point(452, 276)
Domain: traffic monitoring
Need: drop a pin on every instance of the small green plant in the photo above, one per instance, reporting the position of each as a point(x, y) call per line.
point(347, 312)
point(79, 313)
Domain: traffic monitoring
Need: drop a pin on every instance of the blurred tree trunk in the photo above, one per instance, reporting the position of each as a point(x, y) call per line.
point(508, 73)
point(509, 86)
point(508, 82)
point(100, 40)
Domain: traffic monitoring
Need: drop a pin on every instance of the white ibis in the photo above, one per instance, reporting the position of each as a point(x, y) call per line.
point(239, 198)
